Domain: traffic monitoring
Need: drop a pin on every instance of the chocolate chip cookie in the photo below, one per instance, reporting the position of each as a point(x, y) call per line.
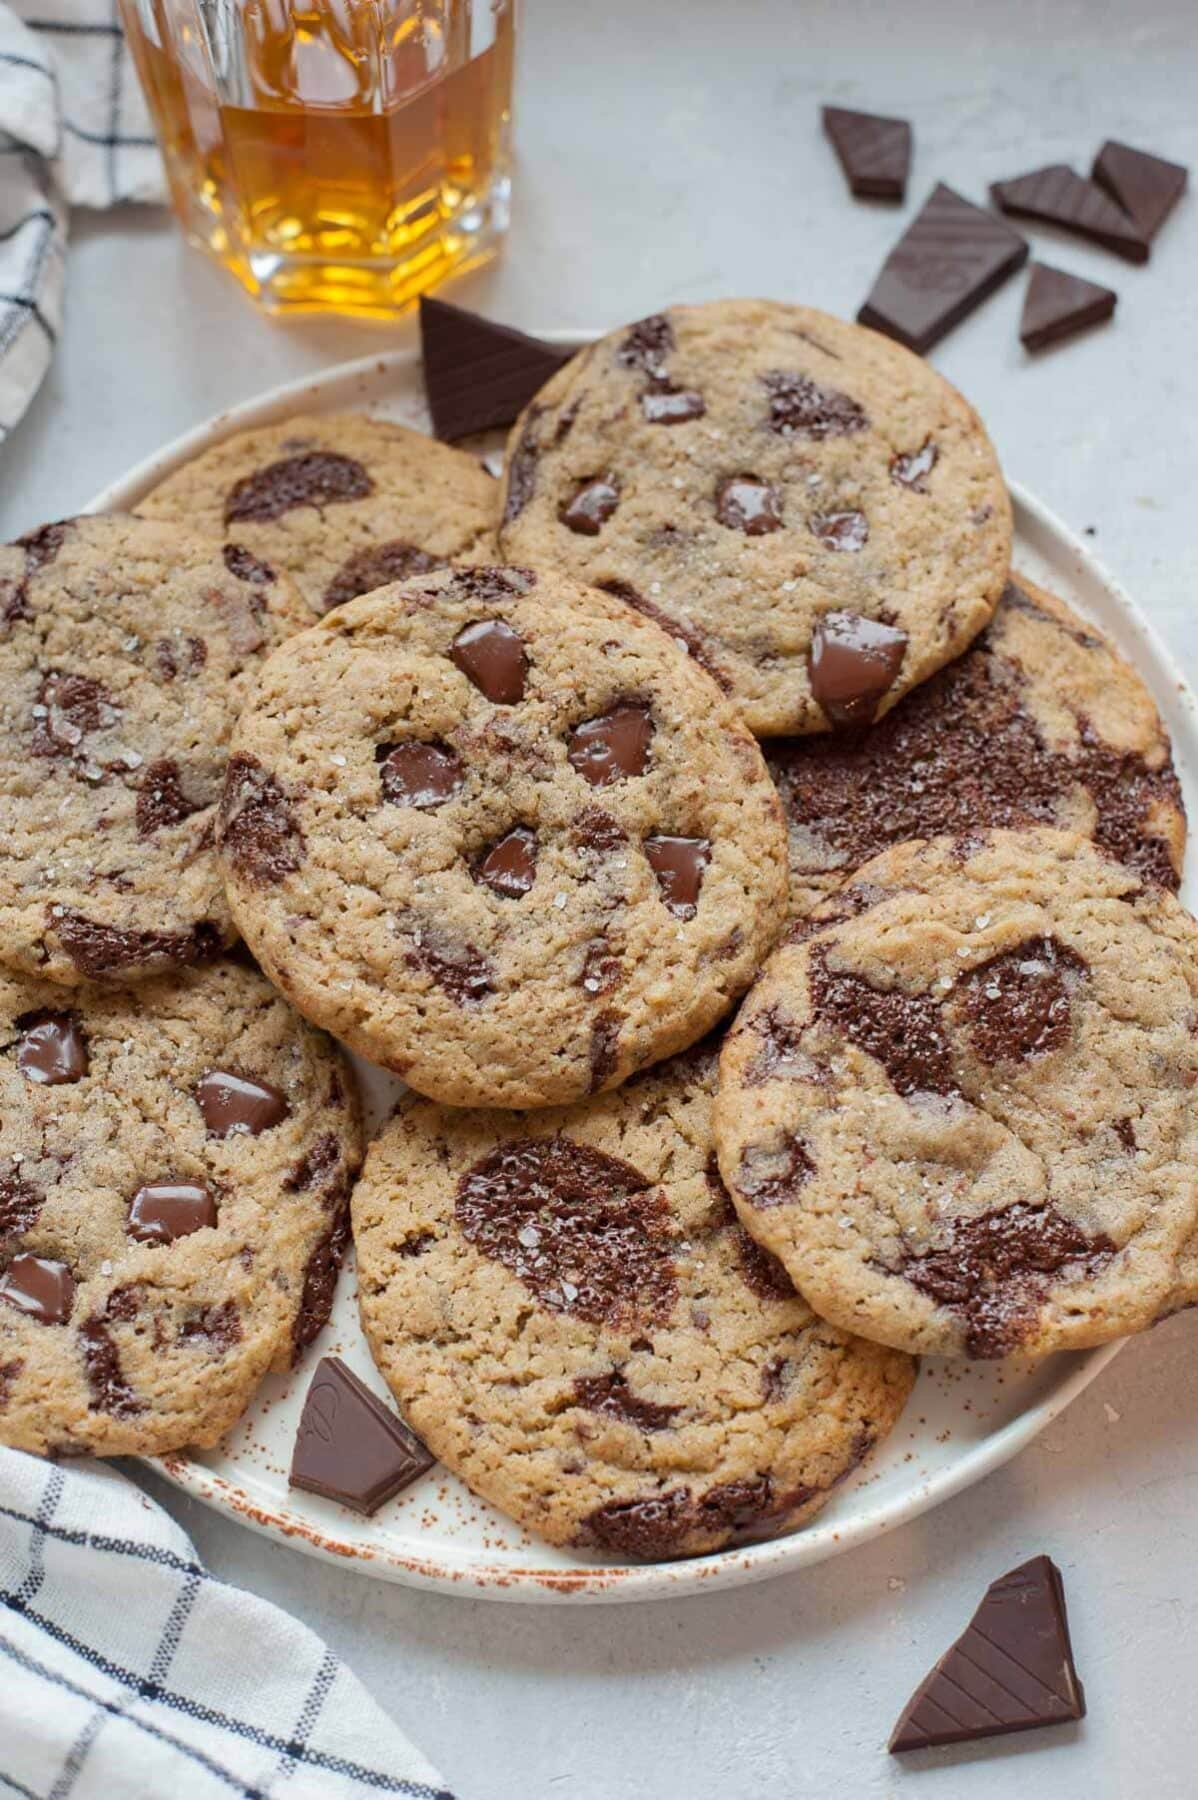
point(175, 1163)
point(960, 1103)
point(126, 647)
point(814, 511)
point(570, 1316)
point(343, 503)
point(500, 834)
point(1041, 722)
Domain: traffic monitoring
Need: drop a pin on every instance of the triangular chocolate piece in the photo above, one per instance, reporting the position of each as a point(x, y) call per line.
point(1146, 187)
point(350, 1446)
point(476, 373)
point(951, 256)
point(1011, 1670)
point(874, 152)
point(1058, 195)
point(1057, 304)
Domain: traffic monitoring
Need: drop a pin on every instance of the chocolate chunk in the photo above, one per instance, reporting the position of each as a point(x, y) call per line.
point(993, 1270)
point(376, 566)
point(67, 708)
point(320, 1281)
point(315, 478)
point(493, 657)
point(1012, 1669)
point(476, 373)
point(217, 1326)
point(646, 346)
point(161, 800)
point(675, 625)
point(415, 774)
point(841, 530)
point(40, 547)
point(43, 1290)
point(1059, 196)
point(951, 257)
point(237, 1105)
point(874, 152)
point(20, 1203)
point(1056, 305)
point(590, 507)
point(245, 567)
point(258, 832)
point(52, 1048)
point(602, 969)
point(460, 970)
point(800, 407)
point(743, 503)
point(509, 867)
point(110, 1390)
point(772, 1174)
point(613, 747)
point(672, 406)
point(166, 655)
point(660, 1525)
point(492, 584)
point(162, 1211)
point(679, 864)
point(611, 1396)
point(604, 1050)
point(350, 1446)
point(1145, 187)
point(763, 1274)
point(99, 950)
point(1017, 1004)
point(317, 1165)
point(901, 1031)
point(595, 829)
point(853, 662)
point(522, 465)
point(588, 1234)
point(911, 468)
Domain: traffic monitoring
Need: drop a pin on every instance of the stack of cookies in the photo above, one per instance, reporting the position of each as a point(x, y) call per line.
point(724, 694)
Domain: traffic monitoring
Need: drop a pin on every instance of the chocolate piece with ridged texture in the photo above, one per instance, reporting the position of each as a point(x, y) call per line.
point(350, 1446)
point(874, 152)
point(1146, 187)
point(476, 373)
point(1058, 195)
point(950, 258)
point(1057, 304)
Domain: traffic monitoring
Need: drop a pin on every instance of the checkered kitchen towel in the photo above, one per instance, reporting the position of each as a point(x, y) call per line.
point(128, 1673)
point(73, 132)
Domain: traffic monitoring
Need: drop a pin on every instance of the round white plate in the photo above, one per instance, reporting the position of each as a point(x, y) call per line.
point(962, 1420)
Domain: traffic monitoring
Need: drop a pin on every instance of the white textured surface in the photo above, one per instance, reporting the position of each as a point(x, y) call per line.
point(672, 151)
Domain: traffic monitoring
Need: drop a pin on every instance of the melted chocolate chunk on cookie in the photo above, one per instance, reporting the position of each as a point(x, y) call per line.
point(52, 1048)
point(218, 1327)
point(763, 1274)
point(911, 468)
point(596, 830)
point(43, 1290)
point(421, 775)
point(99, 950)
point(314, 478)
point(681, 630)
point(604, 1048)
point(852, 663)
point(20, 1203)
point(376, 566)
point(665, 405)
point(319, 1167)
point(602, 968)
point(40, 547)
point(1126, 793)
point(590, 507)
point(772, 1174)
point(194, 652)
point(492, 656)
point(743, 503)
point(67, 708)
point(903, 1032)
point(522, 465)
point(800, 407)
point(259, 834)
point(245, 567)
point(1018, 1004)
point(161, 800)
point(995, 1269)
point(646, 345)
point(509, 867)
point(679, 864)
point(320, 1285)
point(106, 1380)
point(613, 747)
point(782, 1056)
point(162, 1211)
point(612, 1397)
point(660, 1526)
point(588, 1234)
point(238, 1105)
point(844, 531)
point(458, 969)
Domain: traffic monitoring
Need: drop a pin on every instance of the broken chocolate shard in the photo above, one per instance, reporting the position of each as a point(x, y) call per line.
point(350, 1446)
point(478, 374)
point(951, 257)
point(874, 152)
point(1011, 1670)
point(1146, 187)
point(1058, 195)
point(1058, 304)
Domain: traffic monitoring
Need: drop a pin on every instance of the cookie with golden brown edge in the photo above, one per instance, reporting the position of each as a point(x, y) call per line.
point(342, 502)
point(960, 1102)
point(500, 834)
point(175, 1164)
point(814, 511)
point(570, 1316)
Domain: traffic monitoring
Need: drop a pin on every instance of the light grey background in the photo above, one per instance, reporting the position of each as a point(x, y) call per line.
point(669, 152)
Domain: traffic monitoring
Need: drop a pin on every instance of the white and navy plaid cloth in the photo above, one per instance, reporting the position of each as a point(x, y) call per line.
point(128, 1673)
point(73, 132)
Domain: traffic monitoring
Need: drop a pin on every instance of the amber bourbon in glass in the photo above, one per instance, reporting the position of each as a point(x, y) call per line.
point(337, 155)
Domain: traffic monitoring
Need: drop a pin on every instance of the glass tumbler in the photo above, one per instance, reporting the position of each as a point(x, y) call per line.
point(336, 155)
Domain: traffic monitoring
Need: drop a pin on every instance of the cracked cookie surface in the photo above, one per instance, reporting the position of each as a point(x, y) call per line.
point(499, 834)
point(814, 510)
point(342, 502)
point(175, 1163)
point(959, 1104)
point(570, 1316)
point(126, 648)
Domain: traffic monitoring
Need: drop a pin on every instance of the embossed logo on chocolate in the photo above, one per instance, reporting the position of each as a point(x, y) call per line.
point(40, 1288)
point(162, 1211)
point(852, 663)
point(910, 469)
point(646, 345)
point(245, 567)
point(904, 1032)
point(844, 531)
point(259, 833)
point(233, 1104)
point(587, 1233)
point(679, 864)
point(493, 657)
point(800, 407)
point(614, 746)
point(611, 1396)
point(1018, 1004)
point(743, 503)
point(509, 867)
point(672, 406)
point(772, 1174)
point(415, 774)
point(314, 478)
point(52, 1048)
point(69, 707)
point(161, 800)
point(590, 507)
point(376, 566)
